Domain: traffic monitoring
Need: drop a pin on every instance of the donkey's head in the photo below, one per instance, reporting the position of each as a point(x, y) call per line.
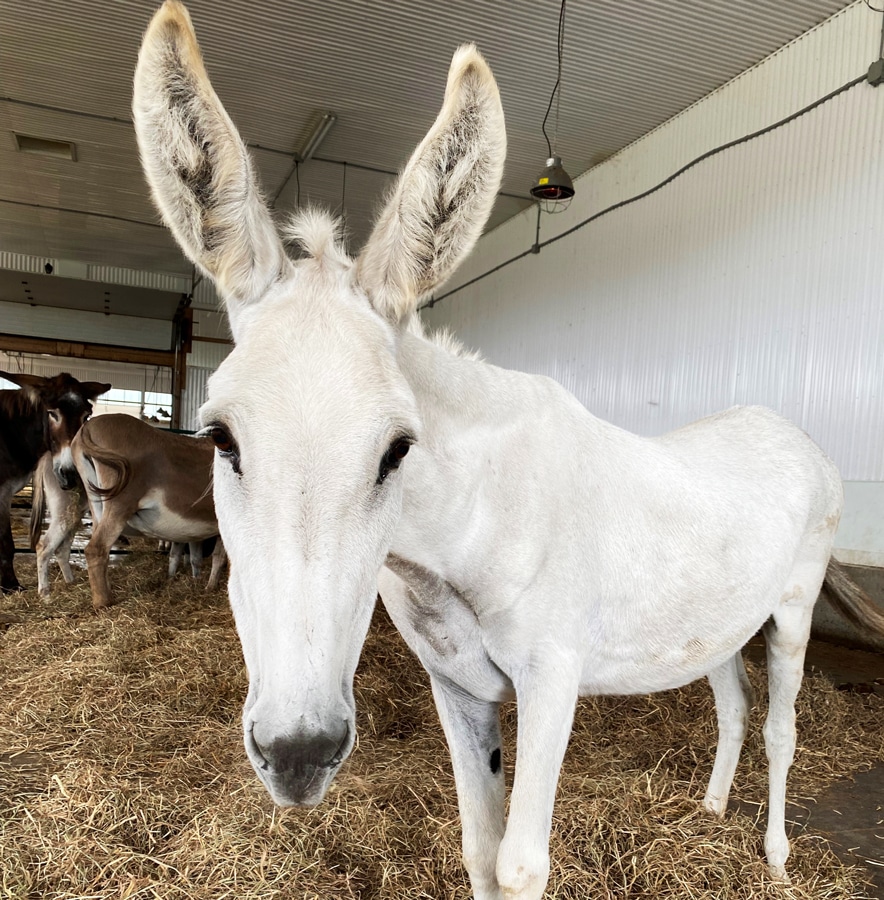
point(310, 413)
point(66, 404)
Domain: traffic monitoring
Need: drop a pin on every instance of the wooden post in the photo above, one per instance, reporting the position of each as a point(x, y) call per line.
point(182, 343)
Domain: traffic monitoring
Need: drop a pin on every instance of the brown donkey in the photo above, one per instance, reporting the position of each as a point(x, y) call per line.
point(153, 482)
point(43, 416)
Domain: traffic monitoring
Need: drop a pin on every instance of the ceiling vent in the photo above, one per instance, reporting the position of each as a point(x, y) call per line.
point(45, 146)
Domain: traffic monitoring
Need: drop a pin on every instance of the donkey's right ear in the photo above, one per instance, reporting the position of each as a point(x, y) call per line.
point(198, 168)
point(30, 384)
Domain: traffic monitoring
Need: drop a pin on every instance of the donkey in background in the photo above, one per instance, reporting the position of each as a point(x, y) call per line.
point(65, 509)
point(530, 550)
point(149, 481)
point(43, 416)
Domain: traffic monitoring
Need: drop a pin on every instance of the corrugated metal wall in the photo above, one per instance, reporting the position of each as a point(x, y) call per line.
point(756, 277)
point(194, 395)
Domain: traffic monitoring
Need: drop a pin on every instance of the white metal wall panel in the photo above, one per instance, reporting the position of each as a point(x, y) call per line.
point(125, 376)
point(161, 281)
point(22, 262)
point(194, 396)
point(205, 296)
point(755, 277)
point(77, 325)
point(207, 355)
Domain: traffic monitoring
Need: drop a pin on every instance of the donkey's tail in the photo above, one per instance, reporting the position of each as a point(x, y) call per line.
point(851, 600)
point(38, 507)
point(118, 464)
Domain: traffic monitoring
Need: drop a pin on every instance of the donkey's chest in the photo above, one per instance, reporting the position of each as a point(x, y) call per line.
point(442, 629)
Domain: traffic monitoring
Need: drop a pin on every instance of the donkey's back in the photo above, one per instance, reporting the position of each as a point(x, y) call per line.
point(695, 540)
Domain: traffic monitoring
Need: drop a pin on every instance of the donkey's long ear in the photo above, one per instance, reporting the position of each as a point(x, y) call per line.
point(93, 389)
point(444, 195)
point(30, 384)
point(198, 167)
point(24, 380)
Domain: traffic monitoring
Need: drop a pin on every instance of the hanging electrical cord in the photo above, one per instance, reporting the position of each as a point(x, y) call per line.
point(537, 247)
point(556, 91)
point(553, 188)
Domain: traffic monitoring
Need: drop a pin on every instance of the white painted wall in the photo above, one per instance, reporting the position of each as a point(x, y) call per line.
point(755, 277)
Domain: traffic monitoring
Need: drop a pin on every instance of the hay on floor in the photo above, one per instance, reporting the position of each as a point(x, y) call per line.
point(122, 772)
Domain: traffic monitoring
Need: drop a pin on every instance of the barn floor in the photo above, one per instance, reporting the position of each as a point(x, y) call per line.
point(122, 774)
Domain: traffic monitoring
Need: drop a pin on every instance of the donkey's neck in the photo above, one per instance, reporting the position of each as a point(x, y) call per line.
point(25, 430)
point(456, 392)
point(480, 426)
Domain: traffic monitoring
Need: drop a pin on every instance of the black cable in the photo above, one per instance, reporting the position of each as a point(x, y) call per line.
point(558, 77)
point(704, 156)
point(344, 193)
point(82, 212)
point(881, 44)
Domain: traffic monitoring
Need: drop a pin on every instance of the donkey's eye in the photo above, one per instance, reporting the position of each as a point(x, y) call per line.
point(396, 452)
point(222, 440)
point(225, 445)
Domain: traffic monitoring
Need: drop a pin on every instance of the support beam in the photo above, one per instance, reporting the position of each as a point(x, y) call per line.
point(182, 335)
point(80, 350)
point(211, 340)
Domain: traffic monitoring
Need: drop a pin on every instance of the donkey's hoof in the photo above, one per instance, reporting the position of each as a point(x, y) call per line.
point(779, 875)
point(715, 806)
point(101, 606)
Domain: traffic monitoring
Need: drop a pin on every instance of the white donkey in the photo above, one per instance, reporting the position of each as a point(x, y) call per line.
point(532, 551)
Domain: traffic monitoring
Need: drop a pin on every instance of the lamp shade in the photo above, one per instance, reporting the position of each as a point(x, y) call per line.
point(553, 183)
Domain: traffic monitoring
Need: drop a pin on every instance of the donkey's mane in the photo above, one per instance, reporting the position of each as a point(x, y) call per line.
point(442, 338)
point(317, 233)
point(18, 404)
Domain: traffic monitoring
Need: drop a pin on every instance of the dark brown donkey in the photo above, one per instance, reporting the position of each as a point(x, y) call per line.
point(140, 478)
point(43, 416)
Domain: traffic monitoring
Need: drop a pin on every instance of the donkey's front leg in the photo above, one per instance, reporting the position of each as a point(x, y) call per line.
point(8, 581)
point(219, 557)
point(472, 729)
point(196, 558)
point(546, 699)
point(56, 541)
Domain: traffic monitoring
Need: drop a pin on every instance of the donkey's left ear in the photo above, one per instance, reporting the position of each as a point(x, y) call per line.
point(198, 168)
point(93, 389)
point(444, 195)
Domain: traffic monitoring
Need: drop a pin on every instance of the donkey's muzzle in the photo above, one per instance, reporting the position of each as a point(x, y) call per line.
point(67, 478)
point(297, 769)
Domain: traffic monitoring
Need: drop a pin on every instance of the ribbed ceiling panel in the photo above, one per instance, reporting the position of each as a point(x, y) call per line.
point(628, 67)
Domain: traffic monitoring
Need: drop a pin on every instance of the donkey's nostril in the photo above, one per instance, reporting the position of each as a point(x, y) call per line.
point(342, 747)
point(252, 745)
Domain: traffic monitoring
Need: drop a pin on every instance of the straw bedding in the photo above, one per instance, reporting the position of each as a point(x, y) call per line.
point(122, 772)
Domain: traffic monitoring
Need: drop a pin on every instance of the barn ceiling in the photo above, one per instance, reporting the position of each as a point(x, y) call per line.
point(66, 69)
